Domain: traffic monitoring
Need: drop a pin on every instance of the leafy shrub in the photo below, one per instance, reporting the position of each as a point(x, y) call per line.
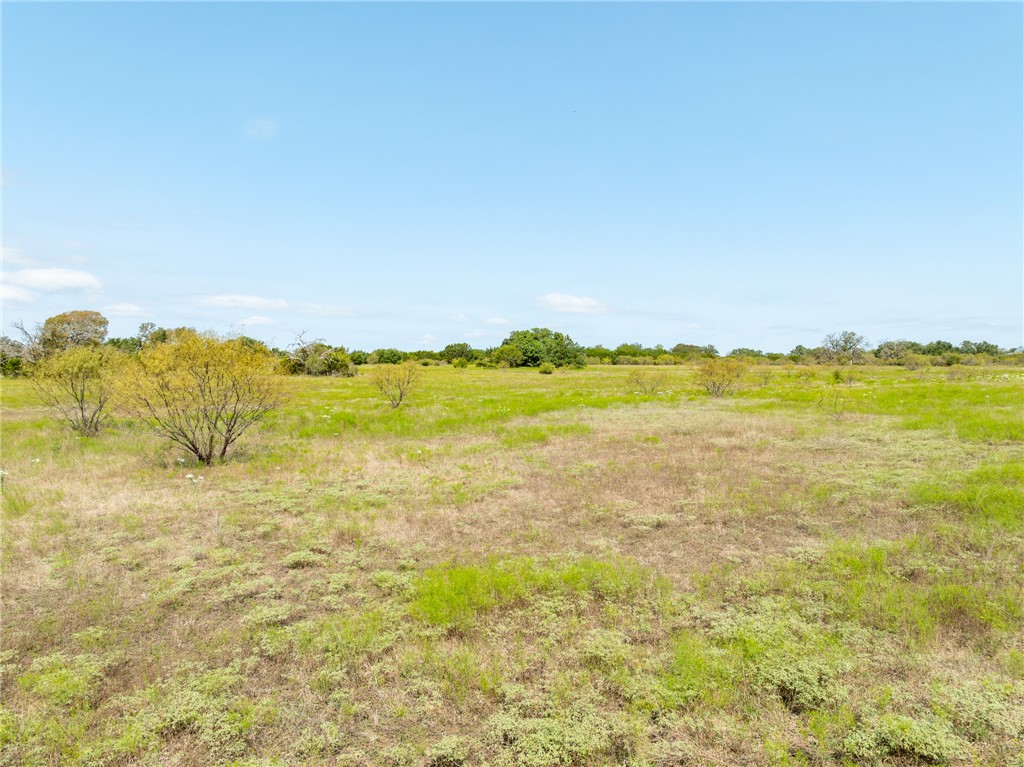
point(299, 559)
point(577, 735)
point(648, 382)
point(930, 740)
point(721, 376)
point(451, 751)
point(202, 393)
point(207, 704)
point(79, 384)
point(605, 650)
point(546, 368)
point(394, 382)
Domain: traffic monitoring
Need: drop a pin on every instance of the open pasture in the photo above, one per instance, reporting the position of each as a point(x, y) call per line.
point(516, 569)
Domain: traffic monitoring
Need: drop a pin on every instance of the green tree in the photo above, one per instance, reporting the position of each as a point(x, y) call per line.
point(452, 352)
point(388, 356)
point(77, 328)
point(541, 345)
point(201, 392)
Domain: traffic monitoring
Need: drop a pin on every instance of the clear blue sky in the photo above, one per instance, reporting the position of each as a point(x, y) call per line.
point(417, 174)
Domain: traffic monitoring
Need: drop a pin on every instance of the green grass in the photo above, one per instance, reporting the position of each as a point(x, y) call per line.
point(515, 569)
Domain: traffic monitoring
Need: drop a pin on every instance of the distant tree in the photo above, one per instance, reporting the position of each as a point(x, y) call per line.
point(201, 392)
point(126, 345)
point(846, 348)
point(456, 351)
point(316, 358)
point(12, 358)
point(394, 382)
point(388, 356)
point(893, 352)
point(937, 348)
point(541, 345)
point(745, 352)
point(146, 330)
point(980, 347)
point(692, 351)
point(508, 355)
point(79, 383)
point(77, 328)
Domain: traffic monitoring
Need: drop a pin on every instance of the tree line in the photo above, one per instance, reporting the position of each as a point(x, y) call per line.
point(534, 347)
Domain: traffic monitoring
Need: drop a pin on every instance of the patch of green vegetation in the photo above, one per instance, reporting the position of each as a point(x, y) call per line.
point(208, 705)
point(991, 494)
point(346, 638)
point(453, 595)
point(868, 584)
point(301, 559)
point(63, 680)
point(578, 734)
point(928, 739)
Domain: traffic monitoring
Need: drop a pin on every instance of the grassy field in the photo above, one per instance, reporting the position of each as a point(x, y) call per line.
point(517, 569)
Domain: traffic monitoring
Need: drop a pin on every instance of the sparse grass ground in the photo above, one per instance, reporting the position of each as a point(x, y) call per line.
point(516, 569)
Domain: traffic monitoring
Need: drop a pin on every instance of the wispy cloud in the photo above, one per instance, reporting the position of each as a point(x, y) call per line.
point(566, 304)
point(53, 280)
point(236, 301)
point(496, 321)
point(257, 319)
point(123, 310)
point(460, 317)
point(12, 294)
point(261, 128)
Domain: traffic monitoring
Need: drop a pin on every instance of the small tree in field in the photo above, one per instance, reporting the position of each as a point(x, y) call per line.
point(79, 384)
point(721, 376)
point(394, 382)
point(202, 393)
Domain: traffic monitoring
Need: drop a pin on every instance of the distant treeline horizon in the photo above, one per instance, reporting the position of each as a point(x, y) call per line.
point(521, 348)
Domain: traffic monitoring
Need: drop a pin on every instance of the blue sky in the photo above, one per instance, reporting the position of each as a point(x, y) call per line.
point(417, 174)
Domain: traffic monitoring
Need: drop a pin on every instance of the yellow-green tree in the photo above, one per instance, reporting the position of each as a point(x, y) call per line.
point(202, 392)
point(79, 383)
point(722, 375)
point(394, 382)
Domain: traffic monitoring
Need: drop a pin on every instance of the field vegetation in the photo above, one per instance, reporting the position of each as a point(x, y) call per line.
point(600, 566)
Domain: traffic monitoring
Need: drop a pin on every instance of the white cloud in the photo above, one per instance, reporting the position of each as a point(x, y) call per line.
point(53, 279)
point(475, 334)
point(460, 317)
point(257, 319)
point(560, 302)
point(123, 310)
point(496, 321)
point(235, 301)
point(15, 295)
point(261, 128)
